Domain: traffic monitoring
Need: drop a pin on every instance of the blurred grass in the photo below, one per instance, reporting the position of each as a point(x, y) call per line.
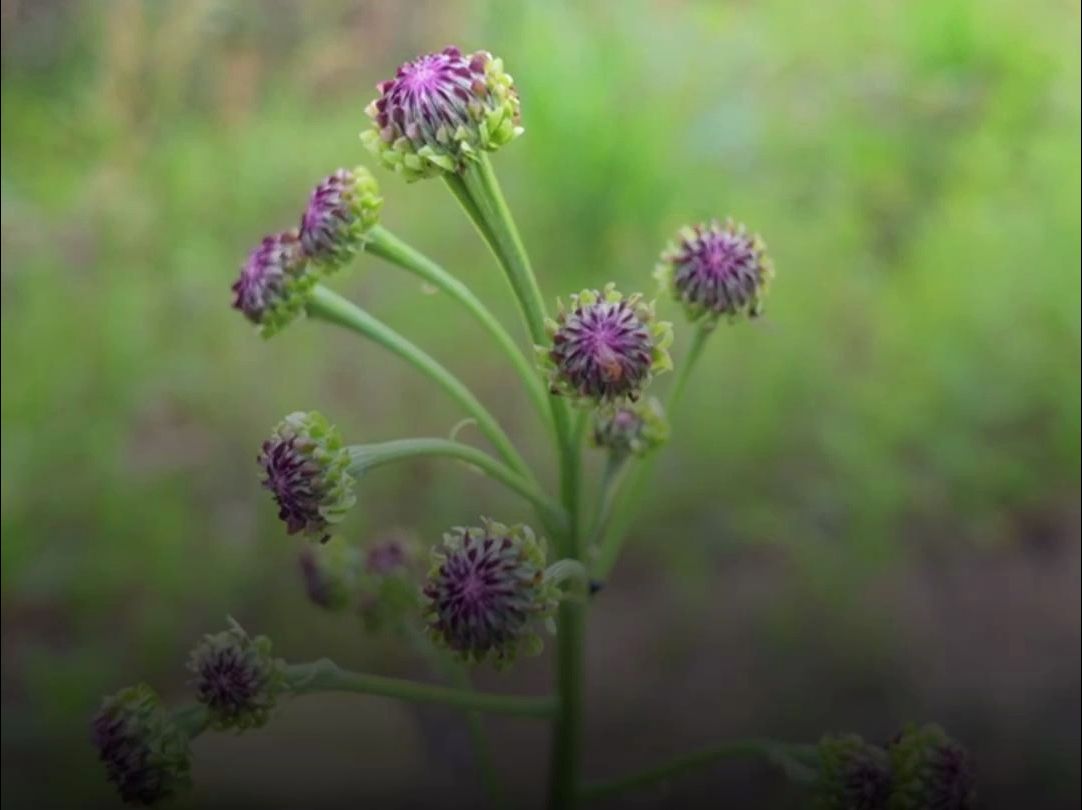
point(915, 386)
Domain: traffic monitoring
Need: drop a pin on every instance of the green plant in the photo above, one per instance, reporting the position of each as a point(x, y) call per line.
point(492, 592)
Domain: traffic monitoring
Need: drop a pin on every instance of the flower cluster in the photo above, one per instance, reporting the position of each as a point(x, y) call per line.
point(716, 270)
point(306, 466)
point(485, 590)
point(921, 769)
point(439, 110)
point(144, 751)
point(278, 277)
point(236, 678)
point(605, 348)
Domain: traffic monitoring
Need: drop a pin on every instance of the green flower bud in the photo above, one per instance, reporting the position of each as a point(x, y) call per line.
point(341, 211)
point(633, 428)
point(274, 283)
point(331, 572)
point(931, 771)
point(236, 678)
point(144, 751)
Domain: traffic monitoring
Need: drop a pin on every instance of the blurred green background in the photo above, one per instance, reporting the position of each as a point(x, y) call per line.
point(869, 511)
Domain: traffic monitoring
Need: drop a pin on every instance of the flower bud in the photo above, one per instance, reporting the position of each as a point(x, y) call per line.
point(485, 588)
point(633, 428)
point(853, 775)
point(605, 348)
point(388, 587)
point(145, 753)
point(331, 572)
point(931, 771)
point(274, 283)
point(717, 270)
point(340, 212)
point(441, 109)
point(307, 468)
point(236, 678)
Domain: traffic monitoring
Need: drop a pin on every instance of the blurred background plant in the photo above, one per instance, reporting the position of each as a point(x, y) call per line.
point(883, 524)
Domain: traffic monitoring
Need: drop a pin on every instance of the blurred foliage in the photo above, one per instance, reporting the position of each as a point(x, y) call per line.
point(914, 386)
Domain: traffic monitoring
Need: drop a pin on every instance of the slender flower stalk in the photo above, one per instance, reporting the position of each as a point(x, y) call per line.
point(387, 246)
point(333, 308)
point(368, 456)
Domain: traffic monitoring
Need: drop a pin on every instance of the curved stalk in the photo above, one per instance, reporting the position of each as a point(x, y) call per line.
point(387, 246)
point(788, 757)
point(326, 676)
point(629, 494)
point(333, 308)
point(367, 456)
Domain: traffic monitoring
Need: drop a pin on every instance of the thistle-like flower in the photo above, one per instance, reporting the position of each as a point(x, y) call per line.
point(931, 771)
point(331, 572)
point(605, 348)
point(485, 588)
point(236, 678)
point(341, 211)
point(441, 109)
point(633, 428)
point(144, 751)
point(274, 283)
point(307, 468)
point(854, 775)
point(717, 270)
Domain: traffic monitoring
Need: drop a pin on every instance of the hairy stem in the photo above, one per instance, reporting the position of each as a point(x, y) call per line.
point(387, 246)
point(793, 759)
point(333, 308)
point(326, 676)
point(368, 456)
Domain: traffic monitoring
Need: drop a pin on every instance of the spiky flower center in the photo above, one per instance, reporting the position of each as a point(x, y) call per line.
point(603, 350)
point(483, 593)
point(296, 482)
point(227, 681)
point(718, 268)
point(430, 97)
point(264, 275)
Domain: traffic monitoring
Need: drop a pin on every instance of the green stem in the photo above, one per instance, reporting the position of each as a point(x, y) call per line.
point(333, 308)
point(367, 456)
point(388, 246)
point(630, 493)
point(786, 756)
point(615, 466)
point(326, 676)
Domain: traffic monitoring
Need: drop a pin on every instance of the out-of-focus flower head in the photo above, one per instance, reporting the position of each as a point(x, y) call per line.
point(274, 283)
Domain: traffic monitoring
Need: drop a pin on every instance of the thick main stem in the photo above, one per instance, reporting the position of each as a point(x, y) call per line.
point(479, 192)
point(333, 308)
point(387, 246)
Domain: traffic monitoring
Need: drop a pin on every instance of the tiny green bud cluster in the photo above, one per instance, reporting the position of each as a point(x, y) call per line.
point(236, 678)
point(631, 428)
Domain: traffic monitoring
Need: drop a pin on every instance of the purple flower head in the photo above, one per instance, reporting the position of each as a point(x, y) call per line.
point(306, 466)
point(236, 678)
point(605, 347)
point(717, 270)
point(633, 428)
point(853, 775)
point(331, 571)
point(340, 212)
point(274, 283)
point(932, 771)
point(486, 587)
point(441, 109)
point(388, 556)
point(144, 752)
